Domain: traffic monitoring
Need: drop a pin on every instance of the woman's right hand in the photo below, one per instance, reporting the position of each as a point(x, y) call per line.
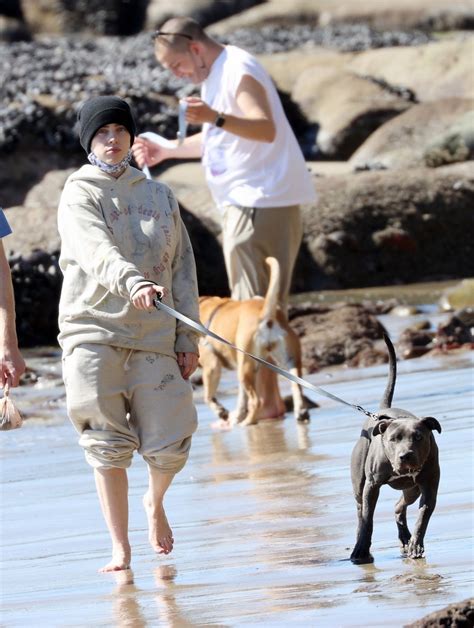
point(147, 153)
point(144, 297)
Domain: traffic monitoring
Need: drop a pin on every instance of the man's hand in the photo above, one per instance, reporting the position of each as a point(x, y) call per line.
point(147, 153)
point(198, 112)
point(187, 363)
point(256, 123)
point(143, 297)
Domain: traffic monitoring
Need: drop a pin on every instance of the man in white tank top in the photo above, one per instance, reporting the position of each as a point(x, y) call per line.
point(254, 167)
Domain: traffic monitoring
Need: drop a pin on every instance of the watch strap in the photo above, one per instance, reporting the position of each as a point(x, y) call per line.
point(220, 119)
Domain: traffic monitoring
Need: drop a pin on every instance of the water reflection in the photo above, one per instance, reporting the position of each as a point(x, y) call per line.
point(417, 581)
point(127, 612)
point(169, 613)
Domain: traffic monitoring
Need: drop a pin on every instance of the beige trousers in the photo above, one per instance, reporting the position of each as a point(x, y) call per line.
point(252, 234)
point(122, 400)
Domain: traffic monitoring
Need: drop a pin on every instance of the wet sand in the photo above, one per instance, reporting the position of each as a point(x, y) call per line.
point(263, 518)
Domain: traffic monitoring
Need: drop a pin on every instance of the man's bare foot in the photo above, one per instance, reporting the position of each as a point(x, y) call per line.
point(121, 557)
point(160, 534)
point(271, 404)
point(273, 411)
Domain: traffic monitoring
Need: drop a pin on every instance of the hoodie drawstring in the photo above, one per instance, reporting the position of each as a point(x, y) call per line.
point(126, 365)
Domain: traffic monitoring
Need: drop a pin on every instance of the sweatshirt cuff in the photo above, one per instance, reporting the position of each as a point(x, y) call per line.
point(187, 343)
point(140, 283)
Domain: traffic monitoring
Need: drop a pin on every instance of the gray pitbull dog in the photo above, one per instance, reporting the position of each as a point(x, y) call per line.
point(395, 448)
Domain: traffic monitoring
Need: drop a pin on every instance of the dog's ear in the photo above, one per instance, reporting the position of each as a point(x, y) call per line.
point(431, 423)
point(382, 423)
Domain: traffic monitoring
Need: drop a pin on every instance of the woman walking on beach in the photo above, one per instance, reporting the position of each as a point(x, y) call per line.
point(126, 366)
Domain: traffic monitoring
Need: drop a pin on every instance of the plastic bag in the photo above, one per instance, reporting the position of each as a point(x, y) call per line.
point(10, 417)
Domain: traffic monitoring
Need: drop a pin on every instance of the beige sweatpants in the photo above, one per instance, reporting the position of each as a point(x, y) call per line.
point(252, 234)
point(122, 400)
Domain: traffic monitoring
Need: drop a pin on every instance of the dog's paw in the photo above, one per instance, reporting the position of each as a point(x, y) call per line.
point(362, 560)
point(303, 416)
point(415, 550)
point(223, 414)
point(361, 555)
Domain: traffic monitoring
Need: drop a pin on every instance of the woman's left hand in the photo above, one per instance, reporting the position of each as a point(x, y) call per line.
point(187, 362)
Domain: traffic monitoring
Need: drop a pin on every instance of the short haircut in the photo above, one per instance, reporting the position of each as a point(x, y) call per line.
point(177, 32)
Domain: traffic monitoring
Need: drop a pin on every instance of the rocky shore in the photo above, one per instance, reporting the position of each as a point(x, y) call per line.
point(380, 98)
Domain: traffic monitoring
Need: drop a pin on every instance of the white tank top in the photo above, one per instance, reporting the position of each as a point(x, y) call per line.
point(246, 172)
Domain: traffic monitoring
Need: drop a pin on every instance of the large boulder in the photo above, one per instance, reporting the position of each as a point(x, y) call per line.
point(335, 334)
point(271, 12)
point(382, 14)
point(431, 72)
point(405, 141)
point(39, 212)
point(204, 11)
point(457, 614)
point(107, 17)
point(346, 107)
point(455, 143)
point(389, 227)
point(436, 15)
point(285, 68)
point(188, 182)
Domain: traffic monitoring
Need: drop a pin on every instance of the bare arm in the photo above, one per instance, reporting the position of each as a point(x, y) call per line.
point(149, 153)
point(11, 362)
point(256, 124)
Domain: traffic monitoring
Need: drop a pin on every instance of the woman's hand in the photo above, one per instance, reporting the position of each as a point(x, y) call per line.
point(143, 297)
point(187, 363)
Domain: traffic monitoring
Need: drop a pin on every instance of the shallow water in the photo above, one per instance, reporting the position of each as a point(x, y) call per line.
point(263, 517)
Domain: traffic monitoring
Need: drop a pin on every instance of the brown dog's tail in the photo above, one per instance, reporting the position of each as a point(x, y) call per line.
point(392, 375)
point(271, 297)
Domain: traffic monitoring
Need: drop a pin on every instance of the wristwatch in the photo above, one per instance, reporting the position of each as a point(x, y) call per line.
point(220, 119)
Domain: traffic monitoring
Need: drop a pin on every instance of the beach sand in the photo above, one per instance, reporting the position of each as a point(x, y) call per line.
point(263, 518)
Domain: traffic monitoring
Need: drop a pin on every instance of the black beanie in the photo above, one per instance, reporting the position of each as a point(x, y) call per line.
point(102, 110)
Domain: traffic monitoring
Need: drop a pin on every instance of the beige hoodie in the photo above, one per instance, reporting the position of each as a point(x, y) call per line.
point(114, 234)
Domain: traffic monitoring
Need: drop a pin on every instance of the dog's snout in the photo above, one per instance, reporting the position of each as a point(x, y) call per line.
point(406, 456)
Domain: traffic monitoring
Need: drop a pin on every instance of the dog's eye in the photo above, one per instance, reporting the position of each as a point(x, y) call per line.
point(418, 436)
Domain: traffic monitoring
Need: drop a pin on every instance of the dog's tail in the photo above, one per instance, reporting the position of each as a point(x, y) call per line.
point(271, 297)
point(392, 375)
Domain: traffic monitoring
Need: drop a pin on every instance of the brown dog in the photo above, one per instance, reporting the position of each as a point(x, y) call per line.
point(258, 326)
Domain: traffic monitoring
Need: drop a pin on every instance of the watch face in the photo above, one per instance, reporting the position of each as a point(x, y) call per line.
point(219, 120)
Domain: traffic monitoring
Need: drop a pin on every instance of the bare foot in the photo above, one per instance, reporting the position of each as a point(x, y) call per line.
point(271, 404)
point(274, 411)
point(160, 534)
point(121, 557)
